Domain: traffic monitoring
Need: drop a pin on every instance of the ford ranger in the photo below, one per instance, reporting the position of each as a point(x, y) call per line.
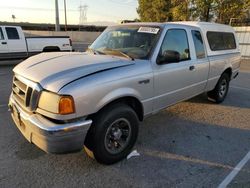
point(63, 102)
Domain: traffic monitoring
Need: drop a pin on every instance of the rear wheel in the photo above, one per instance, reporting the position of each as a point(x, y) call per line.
point(219, 93)
point(113, 134)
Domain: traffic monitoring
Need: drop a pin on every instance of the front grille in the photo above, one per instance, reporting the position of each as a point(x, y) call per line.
point(25, 92)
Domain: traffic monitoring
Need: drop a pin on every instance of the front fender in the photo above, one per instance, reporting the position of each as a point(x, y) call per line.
point(117, 94)
point(93, 92)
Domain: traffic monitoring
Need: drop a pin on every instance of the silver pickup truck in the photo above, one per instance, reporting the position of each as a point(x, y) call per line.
point(63, 102)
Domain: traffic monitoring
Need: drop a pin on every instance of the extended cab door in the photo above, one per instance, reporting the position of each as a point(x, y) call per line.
point(3, 42)
point(177, 74)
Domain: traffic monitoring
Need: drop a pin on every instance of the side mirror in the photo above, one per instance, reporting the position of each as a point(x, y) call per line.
point(169, 56)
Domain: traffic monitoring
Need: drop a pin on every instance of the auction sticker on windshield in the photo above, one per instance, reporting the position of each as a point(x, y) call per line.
point(152, 30)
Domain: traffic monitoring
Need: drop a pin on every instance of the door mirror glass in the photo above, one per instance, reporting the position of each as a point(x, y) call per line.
point(169, 56)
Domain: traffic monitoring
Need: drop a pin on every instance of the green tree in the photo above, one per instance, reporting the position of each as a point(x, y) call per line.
point(227, 9)
point(180, 10)
point(201, 10)
point(154, 10)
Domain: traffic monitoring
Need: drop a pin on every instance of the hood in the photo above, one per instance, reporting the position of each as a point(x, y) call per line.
point(53, 70)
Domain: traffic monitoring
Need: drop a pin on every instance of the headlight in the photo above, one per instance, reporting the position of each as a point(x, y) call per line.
point(56, 104)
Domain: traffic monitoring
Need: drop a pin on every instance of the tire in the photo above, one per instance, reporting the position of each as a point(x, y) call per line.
point(113, 134)
point(219, 93)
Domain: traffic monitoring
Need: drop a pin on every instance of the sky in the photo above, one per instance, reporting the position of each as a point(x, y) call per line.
point(43, 11)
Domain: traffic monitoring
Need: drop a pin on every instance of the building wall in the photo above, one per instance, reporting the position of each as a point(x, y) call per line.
point(243, 35)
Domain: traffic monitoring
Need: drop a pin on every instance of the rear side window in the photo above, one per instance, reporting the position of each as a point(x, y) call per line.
point(221, 41)
point(1, 34)
point(198, 43)
point(229, 40)
point(12, 33)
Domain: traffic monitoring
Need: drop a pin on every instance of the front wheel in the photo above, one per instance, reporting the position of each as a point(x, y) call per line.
point(219, 93)
point(113, 134)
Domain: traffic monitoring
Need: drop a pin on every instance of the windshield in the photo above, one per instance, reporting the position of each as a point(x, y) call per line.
point(135, 42)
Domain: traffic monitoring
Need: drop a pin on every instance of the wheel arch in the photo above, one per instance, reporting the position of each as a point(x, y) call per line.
point(51, 49)
point(228, 71)
point(129, 100)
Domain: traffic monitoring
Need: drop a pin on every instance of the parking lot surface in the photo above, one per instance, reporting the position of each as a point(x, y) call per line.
point(195, 143)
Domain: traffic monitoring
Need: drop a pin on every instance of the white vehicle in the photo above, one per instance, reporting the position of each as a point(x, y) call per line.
point(14, 45)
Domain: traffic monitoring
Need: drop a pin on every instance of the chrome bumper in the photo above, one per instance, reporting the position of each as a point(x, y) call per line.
point(47, 135)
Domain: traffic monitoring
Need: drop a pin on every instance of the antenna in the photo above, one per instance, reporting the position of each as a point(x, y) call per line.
point(83, 14)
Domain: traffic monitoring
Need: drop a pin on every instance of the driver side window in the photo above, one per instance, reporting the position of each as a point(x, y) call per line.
point(174, 47)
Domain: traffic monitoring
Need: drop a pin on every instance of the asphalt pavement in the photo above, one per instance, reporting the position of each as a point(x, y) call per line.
point(195, 143)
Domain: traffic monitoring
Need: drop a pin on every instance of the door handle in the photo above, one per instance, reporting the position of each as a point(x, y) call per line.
point(192, 67)
point(144, 81)
point(4, 42)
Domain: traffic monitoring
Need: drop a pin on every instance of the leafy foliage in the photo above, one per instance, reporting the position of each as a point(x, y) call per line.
point(154, 10)
point(230, 9)
point(203, 10)
point(180, 10)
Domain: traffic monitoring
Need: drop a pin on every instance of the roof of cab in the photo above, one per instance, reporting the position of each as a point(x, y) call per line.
point(206, 25)
point(202, 25)
point(145, 23)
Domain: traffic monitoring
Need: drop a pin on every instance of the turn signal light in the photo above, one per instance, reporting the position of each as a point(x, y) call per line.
point(66, 105)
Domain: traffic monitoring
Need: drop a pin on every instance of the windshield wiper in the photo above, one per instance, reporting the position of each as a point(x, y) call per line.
point(121, 53)
point(96, 52)
point(125, 55)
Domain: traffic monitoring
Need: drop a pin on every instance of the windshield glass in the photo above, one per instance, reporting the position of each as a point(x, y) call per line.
point(134, 41)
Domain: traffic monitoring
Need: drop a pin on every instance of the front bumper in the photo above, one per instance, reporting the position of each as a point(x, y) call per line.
point(47, 135)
